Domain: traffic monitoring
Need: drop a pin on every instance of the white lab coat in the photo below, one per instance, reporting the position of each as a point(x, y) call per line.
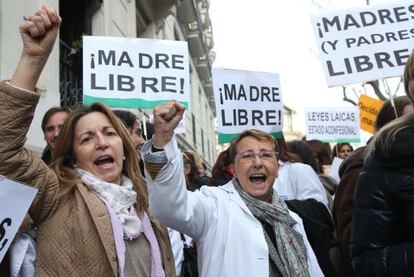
point(230, 240)
point(22, 255)
point(299, 181)
point(177, 249)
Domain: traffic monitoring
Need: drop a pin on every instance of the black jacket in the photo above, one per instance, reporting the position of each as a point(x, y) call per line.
point(319, 229)
point(382, 236)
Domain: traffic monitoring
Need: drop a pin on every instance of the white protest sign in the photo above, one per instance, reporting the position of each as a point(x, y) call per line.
point(180, 129)
point(247, 100)
point(135, 73)
point(365, 43)
point(15, 200)
point(333, 124)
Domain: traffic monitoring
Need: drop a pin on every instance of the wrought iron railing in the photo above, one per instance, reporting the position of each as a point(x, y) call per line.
point(70, 77)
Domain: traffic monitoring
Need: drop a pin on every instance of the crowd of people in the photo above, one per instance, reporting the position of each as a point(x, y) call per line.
point(113, 202)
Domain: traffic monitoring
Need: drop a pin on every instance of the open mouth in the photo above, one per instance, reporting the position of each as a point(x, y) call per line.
point(104, 161)
point(257, 178)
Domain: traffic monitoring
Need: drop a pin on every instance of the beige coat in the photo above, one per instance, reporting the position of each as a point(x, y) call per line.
point(74, 230)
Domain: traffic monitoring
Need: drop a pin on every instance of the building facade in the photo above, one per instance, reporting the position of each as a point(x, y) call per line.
point(61, 82)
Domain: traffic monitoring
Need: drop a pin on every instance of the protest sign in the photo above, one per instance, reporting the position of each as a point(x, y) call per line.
point(368, 110)
point(365, 43)
point(135, 73)
point(15, 200)
point(333, 124)
point(247, 100)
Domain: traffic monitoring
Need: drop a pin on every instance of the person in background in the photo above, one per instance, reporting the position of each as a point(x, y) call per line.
point(149, 129)
point(246, 213)
point(91, 209)
point(133, 125)
point(20, 258)
point(203, 178)
point(222, 171)
point(297, 180)
point(349, 172)
point(52, 121)
point(381, 241)
point(322, 153)
point(342, 150)
point(303, 151)
point(190, 171)
point(323, 156)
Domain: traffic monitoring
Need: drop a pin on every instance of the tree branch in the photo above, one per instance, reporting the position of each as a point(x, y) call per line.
point(345, 98)
point(377, 91)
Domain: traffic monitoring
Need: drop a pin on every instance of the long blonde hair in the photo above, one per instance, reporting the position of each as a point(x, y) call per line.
point(409, 74)
point(384, 139)
point(64, 159)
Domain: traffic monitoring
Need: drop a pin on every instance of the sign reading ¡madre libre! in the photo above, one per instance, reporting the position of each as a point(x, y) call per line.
point(247, 100)
point(135, 73)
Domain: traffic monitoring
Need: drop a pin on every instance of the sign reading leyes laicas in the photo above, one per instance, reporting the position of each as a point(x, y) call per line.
point(365, 43)
point(247, 100)
point(330, 124)
point(134, 72)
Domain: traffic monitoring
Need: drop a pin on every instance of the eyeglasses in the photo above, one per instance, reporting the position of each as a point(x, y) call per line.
point(264, 155)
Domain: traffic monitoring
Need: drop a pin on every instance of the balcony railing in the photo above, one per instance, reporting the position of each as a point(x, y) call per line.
point(70, 77)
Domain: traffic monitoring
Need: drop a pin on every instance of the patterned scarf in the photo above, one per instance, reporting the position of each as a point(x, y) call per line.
point(289, 254)
point(121, 198)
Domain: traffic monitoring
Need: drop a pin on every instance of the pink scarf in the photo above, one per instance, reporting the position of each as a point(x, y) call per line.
point(156, 264)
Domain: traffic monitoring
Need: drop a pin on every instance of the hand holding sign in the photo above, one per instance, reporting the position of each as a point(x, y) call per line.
point(166, 118)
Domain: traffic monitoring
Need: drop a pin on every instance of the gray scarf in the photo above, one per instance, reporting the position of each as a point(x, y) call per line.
point(291, 260)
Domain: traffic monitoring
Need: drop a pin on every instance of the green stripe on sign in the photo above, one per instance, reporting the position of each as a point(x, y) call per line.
point(225, 138)
point(341, 140)
point(127, 103)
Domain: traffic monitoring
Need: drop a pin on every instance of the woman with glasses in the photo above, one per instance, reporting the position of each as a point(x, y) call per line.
point(241, 228)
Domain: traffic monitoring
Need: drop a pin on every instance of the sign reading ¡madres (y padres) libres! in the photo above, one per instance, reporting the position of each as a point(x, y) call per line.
point(365, 43)
point(247, 100)
point(135, 73)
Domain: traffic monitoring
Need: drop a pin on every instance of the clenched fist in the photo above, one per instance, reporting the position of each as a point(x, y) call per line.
point(166, 118)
